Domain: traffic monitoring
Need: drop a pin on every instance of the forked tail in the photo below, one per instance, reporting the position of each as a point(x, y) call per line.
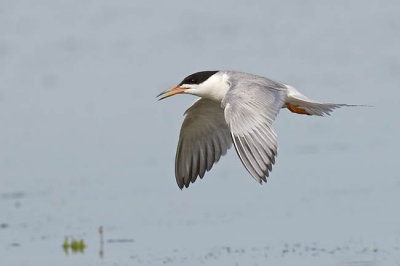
point(300, 104)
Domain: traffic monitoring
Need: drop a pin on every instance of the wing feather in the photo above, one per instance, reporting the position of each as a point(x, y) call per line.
point(250, 107)
point(204, 138)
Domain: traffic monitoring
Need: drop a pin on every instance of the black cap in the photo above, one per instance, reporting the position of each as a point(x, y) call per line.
point(197, 77)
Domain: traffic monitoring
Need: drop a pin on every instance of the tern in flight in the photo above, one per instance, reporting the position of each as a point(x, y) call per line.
point(234, 107)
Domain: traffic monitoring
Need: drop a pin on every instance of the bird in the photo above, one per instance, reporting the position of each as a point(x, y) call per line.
point(239, 108)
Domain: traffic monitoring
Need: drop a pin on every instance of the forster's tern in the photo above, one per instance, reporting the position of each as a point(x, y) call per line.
point(234, 107)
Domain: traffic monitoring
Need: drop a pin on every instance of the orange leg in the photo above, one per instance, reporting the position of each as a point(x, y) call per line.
point(296, 109)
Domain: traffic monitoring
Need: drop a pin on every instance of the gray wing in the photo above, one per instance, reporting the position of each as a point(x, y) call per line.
point(250, 109)
point(204, 138)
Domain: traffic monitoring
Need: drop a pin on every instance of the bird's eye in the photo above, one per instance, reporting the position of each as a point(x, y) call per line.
point(192, 81)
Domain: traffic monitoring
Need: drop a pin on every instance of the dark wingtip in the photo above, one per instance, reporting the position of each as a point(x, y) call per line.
point(180, 185)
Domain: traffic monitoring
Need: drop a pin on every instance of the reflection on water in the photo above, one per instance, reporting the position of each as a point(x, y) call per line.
point(74, 245)
point(360, 253)
point(101, 251)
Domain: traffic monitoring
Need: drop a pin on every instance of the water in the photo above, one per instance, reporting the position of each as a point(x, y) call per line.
point(84, 144)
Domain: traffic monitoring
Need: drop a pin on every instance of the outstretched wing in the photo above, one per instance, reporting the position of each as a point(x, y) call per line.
point(204, 138)
point(250, 109)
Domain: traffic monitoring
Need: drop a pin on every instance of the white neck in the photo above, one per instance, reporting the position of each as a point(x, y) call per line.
point(213, 88)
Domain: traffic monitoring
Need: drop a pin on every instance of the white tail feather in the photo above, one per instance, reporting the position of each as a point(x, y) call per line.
point(300, 102)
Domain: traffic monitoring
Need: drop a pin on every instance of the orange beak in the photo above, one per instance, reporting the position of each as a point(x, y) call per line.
point(174, 90)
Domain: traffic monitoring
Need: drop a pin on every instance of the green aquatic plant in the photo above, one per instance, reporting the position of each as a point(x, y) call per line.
point(74, 245)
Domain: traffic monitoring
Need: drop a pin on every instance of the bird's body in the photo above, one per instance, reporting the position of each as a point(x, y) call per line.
point(234, 107)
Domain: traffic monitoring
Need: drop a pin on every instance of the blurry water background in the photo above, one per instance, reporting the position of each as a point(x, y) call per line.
point(84, 143)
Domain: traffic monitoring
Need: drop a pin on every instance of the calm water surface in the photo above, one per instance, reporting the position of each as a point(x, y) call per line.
point(84, 144)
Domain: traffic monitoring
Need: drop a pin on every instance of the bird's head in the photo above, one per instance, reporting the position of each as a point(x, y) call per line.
point(201, 84)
